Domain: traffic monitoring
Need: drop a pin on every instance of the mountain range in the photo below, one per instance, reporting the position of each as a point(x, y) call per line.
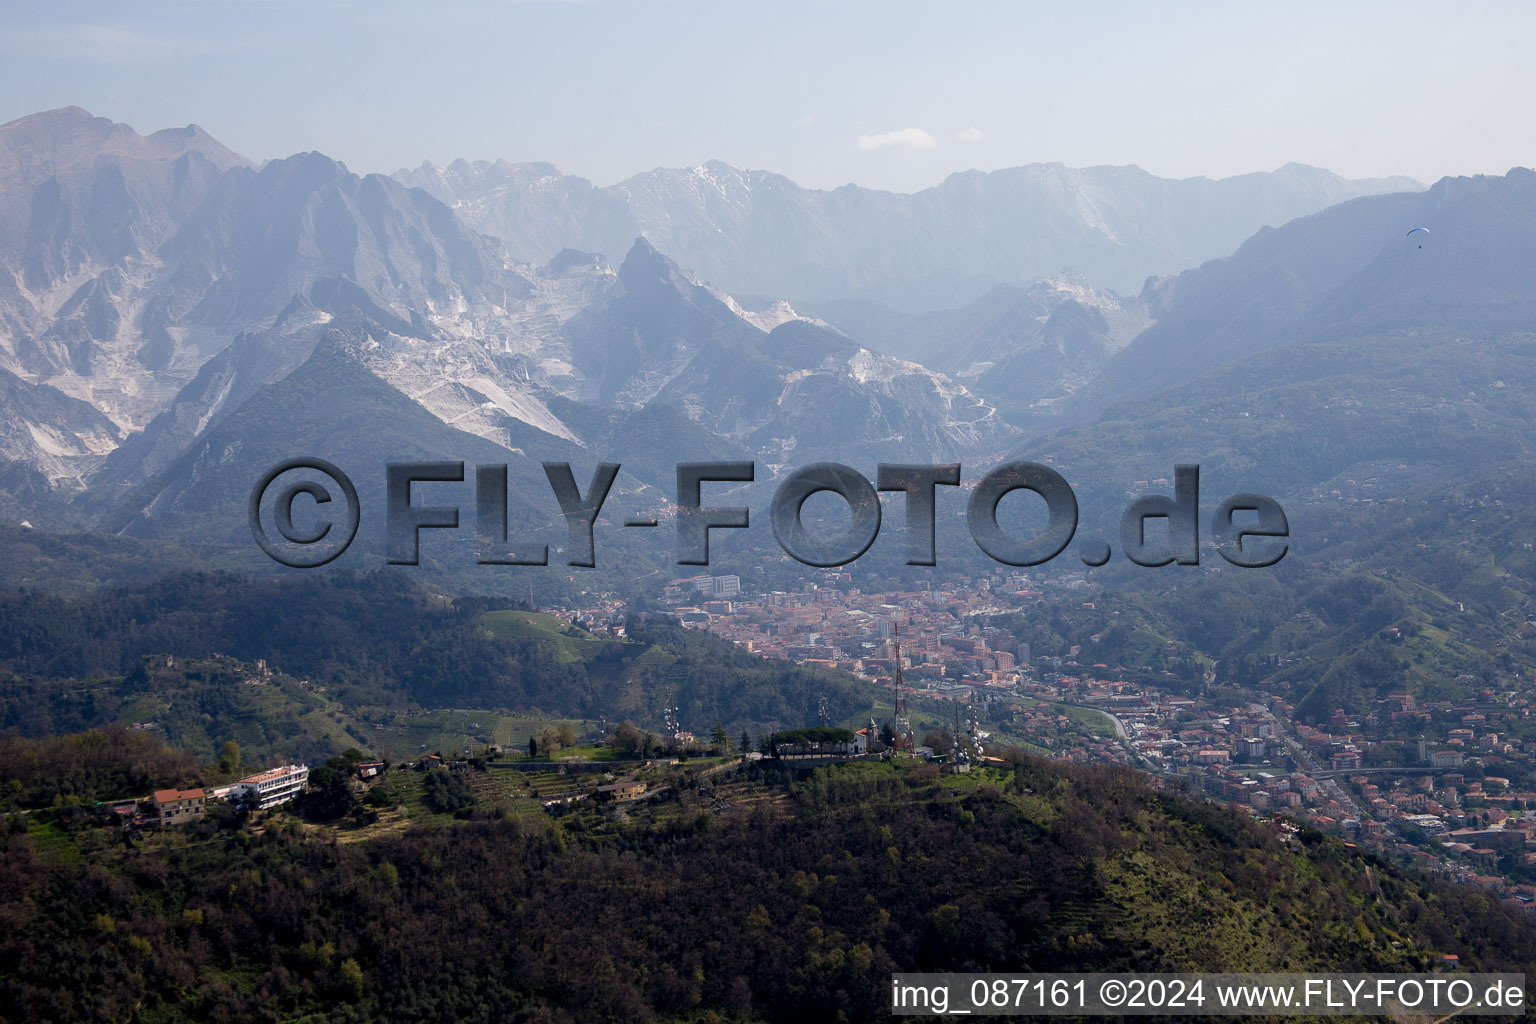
point(128, 339)
point(758, 233)
point(168, 307)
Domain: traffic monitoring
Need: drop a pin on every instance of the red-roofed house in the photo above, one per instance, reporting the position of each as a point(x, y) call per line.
point(179, 806)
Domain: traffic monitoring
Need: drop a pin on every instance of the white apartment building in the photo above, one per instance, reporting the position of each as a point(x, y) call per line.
point(272, 787)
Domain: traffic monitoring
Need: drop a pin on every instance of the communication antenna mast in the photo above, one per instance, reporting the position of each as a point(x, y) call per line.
point(821, 710)
point(671, 719)
point(973, 729)
point(902, 726)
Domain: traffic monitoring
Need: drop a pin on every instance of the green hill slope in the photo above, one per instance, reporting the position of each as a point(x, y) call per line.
point(770, 909)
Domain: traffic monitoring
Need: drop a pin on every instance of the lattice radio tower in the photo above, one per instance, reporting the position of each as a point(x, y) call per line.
point(902, 727)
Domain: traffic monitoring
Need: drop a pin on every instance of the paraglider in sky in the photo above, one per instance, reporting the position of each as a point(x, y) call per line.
point(1421, 238)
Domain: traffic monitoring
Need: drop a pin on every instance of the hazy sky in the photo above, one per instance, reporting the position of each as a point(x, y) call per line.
point(883, 94)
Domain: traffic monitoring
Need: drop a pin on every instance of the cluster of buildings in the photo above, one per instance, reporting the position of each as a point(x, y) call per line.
point(1434, 801)
point(1248, 750)
point(260, 792)
point(832, 624)
point(1424, 779)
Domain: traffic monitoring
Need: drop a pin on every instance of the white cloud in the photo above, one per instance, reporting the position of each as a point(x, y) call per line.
point(971, 134)
point(906, 138)
point(808, 119)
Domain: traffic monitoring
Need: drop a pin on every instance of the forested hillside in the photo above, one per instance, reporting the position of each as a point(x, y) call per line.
point(186, 644)
point(793, 908)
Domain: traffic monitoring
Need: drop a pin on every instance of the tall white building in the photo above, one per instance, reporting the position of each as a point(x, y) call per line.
point(272, 787)
point(718, 586)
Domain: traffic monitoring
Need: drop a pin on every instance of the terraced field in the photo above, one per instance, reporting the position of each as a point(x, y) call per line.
point(568, 643)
